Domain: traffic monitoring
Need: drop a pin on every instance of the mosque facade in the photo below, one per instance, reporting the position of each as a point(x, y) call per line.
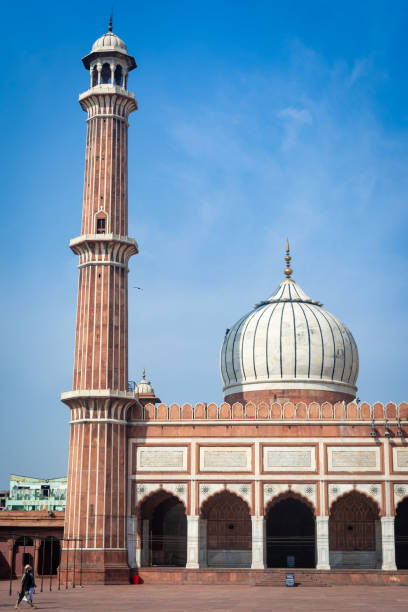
point(291, 470)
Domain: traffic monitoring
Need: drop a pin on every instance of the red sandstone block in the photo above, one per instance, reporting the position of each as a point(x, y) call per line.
point(327, 411)
point(276, 411)
point(225, 411)
point(250, 410)
point(199, 411)
point(403, 410)
point(352, 411)
point(301, 410)
point(340, 411)
point(288, 411)
point(174, 412)
point(187, 411)
point(391, 411)
point(162, 412)
point(378, 411)
point(365, 411)
point(212, 411)
point(237, 411)
point(314, 410)
point(149, 412)
point(263, 411)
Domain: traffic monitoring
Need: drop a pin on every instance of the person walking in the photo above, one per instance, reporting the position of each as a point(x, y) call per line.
point(27, 583)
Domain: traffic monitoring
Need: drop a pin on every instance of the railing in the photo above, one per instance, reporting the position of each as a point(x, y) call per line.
point(273, 411)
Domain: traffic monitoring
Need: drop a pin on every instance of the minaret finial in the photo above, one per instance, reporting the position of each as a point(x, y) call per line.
point(288, 270)
point(110, 22)
point(143, 373)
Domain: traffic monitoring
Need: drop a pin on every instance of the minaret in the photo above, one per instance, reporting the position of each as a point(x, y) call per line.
point(97, 472)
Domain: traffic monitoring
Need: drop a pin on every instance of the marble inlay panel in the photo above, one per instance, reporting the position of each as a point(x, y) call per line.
point(161, 459)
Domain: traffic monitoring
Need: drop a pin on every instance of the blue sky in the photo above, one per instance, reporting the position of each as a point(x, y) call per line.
point(256, 120)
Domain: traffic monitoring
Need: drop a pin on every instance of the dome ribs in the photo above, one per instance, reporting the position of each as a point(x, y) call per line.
point(326, 318)
point(272, 411)
point(280, 339)
point(321, 336)
point(266, 340)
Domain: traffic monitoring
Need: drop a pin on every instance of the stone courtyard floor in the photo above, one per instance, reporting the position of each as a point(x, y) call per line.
point(217, 598)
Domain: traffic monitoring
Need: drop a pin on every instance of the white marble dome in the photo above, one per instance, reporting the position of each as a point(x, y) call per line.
point(144, 386)
point(289, 342)
point(109, 42)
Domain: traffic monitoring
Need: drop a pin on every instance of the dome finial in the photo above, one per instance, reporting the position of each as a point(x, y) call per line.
point(144, 374)
point(110, 22)
point(288, 270)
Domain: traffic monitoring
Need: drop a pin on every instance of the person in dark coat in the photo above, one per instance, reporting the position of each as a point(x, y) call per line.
point(27, 582)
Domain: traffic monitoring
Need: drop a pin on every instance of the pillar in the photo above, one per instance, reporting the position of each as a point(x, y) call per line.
point(378, 544)
point(131, 540)
point(258, 542)
point(203, 543)
point(193, 542)
point(11, 555)
point(322, 543)
point(37, 544)
point(145, 560)
point(388, 543)
point(96, 507)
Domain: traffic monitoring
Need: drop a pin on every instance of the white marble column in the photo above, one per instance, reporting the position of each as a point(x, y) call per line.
point(131, 540)
point(193, 542)
point(322, 543)
point(203, 543)
point(388, 543)
point(258, 542)
point(145, 544)
point(378, 544)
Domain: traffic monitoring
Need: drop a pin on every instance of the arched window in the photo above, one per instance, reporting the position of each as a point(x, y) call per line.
point(94, 77)
point(164, 542)
point(118, 75)
point(106, 73)
point(290, 533)
point(229, 532)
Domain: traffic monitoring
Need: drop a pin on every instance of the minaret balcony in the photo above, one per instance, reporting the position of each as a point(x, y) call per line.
point(104, 249)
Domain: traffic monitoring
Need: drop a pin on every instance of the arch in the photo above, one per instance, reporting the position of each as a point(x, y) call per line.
point(105, 73)
point(101, 222)
point(289, 493)
point(94, 76)
point(355, 532)
point(290, 531)
point(163, 529)
point(49, 556)
point(401, 534)
point(23, 553)
point(160, 491)
point(229, 530)
point(118, 76)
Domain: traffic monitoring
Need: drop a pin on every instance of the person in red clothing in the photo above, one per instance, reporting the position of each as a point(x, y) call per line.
point(27, 582)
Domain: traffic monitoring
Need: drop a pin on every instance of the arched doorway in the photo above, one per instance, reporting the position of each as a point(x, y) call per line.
point(49, 556)
point(290, 533)
point(163, 530)
point(229, 530)
point(23, 554)
point(355, 532)
point(401, 535)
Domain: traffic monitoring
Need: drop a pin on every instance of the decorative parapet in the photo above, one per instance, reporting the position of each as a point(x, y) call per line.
point(339, 412)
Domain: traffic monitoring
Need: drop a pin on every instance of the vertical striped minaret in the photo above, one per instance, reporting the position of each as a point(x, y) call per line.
point(96, 504)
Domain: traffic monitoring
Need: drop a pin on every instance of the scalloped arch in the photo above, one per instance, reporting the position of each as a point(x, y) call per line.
point(288, 494)
point(220, 492)
point(151, 494)
point(368, 497)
